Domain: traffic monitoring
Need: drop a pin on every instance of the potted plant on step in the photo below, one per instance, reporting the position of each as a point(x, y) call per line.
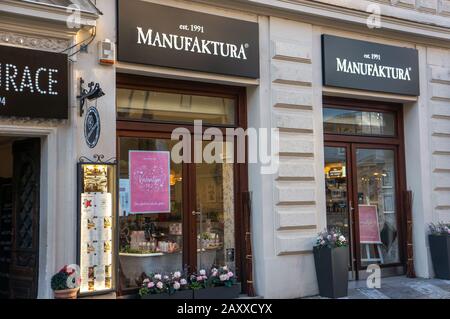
point(439, 239)
point(66, 283)
point(331, 258)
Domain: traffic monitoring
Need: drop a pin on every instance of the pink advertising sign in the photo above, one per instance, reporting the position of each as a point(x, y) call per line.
point(369, 231)
point(149, 182)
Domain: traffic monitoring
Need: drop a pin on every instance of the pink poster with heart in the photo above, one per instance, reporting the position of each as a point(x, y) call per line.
point(149, 182)
point(369, 230)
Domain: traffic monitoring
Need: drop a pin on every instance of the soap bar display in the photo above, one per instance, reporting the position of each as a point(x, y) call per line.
point(96, 229)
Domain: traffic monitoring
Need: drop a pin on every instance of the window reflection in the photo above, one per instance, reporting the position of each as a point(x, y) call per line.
point(174, 107)
point(377, 209)
point(215, 222)
point(351, 122)
point(149, 242)
point(336, 189)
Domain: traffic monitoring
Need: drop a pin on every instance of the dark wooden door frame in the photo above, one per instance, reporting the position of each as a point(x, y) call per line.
point(24, 268)
point(395, 142)
point(155, 129)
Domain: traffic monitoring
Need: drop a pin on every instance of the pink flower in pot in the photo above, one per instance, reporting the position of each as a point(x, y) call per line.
point(223, 277)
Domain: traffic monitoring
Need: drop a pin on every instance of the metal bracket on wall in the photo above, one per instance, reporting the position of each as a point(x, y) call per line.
point(98, 159)
point(95, 92)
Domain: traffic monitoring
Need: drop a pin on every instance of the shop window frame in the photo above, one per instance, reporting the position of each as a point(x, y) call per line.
point(396, 142)
point(133, 82)
point(162, 129)
point(366, 106)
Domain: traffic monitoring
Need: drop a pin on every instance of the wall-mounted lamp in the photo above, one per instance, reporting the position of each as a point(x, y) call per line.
point(95, 92)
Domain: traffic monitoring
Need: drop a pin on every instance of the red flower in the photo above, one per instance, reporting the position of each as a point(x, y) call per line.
point(70, 271)
point(67, 270)
point(87, 203)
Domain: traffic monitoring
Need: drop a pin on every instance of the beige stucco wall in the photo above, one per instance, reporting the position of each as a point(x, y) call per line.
point(414, 10)
point(290, 98)
point(438, 62)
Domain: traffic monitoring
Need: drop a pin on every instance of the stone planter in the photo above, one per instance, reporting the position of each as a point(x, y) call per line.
point(66, 294)
point(183, 295)
point(440, 255)
point(218, 292)
point(332, 271)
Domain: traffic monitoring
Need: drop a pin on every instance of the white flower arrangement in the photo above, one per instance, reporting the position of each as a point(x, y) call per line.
point(161, 283)
point(222, 277)
point(440, 229)
point(331, 238)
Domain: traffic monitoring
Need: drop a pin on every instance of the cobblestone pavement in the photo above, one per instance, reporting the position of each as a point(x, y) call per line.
point(400, 288)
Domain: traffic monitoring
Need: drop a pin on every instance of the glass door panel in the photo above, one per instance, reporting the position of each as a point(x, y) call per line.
point(377, 213)
point(336, 190)
point(215, 214)
point(149, 241)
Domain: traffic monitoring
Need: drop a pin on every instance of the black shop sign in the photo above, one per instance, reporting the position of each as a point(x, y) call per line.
point(33, 83)
point(165, 36)
point(362, 65)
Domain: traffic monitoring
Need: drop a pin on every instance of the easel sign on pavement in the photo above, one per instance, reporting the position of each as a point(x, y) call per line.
point(369, 232)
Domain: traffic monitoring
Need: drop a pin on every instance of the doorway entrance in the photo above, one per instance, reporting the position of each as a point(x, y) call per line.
point(364, 179)
point(19, 217)
point(203, 226)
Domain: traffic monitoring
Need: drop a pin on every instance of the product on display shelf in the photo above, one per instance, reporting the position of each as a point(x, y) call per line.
point(96, 241)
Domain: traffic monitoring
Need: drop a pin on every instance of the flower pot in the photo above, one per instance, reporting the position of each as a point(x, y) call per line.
point(332, 271)
point(440, 255)
point(181, 294)
point(218, 292)
point(66, 294)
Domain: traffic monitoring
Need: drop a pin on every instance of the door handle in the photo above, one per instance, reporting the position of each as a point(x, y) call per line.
point(350, 206)
point(351, 240)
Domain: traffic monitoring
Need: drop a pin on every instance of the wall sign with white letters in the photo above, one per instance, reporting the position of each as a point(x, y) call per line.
point(33, 83)
point(159, 35)
point(362, 65)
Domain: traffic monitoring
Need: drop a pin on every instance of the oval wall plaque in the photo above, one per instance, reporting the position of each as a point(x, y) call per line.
point(92, 127)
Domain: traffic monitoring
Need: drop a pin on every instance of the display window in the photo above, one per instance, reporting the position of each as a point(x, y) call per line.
point(176, 216)
point(97, 223)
